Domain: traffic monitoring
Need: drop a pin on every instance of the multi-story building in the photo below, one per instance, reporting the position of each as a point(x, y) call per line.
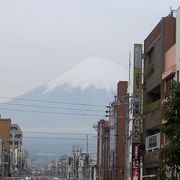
point(159, 70)
point(112, 138)
point(103, 149)
point(5, 151)
point(12, 162)
point(121, 115)
point(15, 149)
point(84, 166)
point(70, 168)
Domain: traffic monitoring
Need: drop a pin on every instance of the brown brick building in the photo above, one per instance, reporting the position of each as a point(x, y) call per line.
point(5, 137)
point(111, 139)
point(121, 137)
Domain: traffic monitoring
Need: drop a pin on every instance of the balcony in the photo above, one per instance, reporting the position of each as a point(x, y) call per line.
point(152, 120)
point(151, 107)
point(170, 63)
point(151, 159)
point(152, 76)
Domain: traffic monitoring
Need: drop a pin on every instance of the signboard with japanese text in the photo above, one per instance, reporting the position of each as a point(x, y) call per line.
point(136, 126)
point(136, 161)
point(136, 130)
point(137, 68)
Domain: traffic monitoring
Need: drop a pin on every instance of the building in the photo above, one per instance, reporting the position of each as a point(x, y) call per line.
point(5, 148)
point(121, 115)
point(70, 168)
point(84, 166)
point(13, 161)
point(111, 138)
point(16, 150)
point(103, 148)
point(159, 70)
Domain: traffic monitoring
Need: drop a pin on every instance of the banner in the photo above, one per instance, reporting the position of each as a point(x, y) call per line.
point(137, 69)
point(135, 161)
point(136, 126)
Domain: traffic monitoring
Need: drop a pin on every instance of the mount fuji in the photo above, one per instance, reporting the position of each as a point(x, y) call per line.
point(101, 73)
point(71, 103)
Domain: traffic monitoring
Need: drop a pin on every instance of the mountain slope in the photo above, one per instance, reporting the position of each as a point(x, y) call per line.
point(98, 72)
point(71, 103)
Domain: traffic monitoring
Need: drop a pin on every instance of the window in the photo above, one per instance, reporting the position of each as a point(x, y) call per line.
point(168, 83)
point(150, 56)
point(153, 142)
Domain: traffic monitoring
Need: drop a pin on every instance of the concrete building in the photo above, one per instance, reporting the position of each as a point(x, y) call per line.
point(159, 70)
point(70, 168)
point(84, 168)
point(16, 150)
point(113, 141)
point(103, 148)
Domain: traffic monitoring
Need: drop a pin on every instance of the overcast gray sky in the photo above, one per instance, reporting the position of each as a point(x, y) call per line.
point(40, 39)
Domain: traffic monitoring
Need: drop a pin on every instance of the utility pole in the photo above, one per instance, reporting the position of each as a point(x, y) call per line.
point(127, 139)
point(13, 154)
point(87, 143)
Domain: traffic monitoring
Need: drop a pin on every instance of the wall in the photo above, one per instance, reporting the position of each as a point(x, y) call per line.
point(121, 118)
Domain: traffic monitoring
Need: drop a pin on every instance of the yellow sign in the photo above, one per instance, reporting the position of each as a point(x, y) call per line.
point(137, 68)
point(137, 81)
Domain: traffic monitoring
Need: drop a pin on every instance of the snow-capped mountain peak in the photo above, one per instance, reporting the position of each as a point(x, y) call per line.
point(93, 71)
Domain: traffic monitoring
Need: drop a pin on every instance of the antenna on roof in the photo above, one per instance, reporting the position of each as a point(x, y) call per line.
point(171, 11)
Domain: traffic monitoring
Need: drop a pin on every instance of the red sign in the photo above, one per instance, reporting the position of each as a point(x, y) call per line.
point(136, 161)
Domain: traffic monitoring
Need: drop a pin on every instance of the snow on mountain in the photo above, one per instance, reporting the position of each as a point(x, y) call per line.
point(92, 82)
point(93, 71)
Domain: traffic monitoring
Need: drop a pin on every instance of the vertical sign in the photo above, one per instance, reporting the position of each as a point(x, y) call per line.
point(137, 86)
point(135, 161)
point(137, 68)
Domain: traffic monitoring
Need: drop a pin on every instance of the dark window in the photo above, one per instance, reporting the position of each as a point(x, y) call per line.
point(150, 56)
point(168, 84)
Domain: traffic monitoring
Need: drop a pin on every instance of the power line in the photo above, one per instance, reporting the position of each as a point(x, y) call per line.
point(61, 133)
point(52, 107)
point(57, 138)
point(50, 112)
point(65, 146)
point(56, 102)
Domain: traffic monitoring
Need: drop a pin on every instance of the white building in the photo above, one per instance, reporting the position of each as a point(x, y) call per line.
point(15, 149)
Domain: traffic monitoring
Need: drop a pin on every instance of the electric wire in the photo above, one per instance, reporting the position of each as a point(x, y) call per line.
point(57, 138)
point(52, 107)
point(50, 101)
point(51, 112)
point(55, 133)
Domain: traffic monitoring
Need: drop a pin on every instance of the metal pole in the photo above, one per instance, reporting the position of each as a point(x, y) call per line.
point(127, 140)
